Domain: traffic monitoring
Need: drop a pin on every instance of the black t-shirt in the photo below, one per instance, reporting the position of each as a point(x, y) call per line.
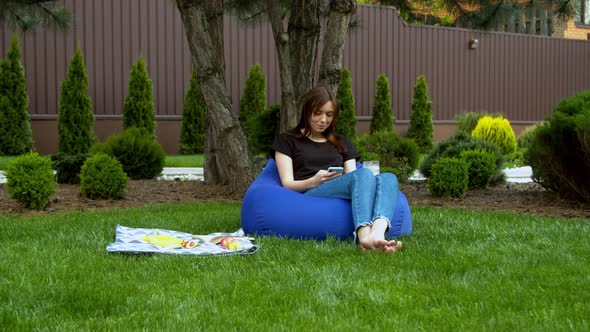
point(309, 156)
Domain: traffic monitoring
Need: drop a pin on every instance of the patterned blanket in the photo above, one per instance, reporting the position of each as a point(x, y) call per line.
point(150, 240)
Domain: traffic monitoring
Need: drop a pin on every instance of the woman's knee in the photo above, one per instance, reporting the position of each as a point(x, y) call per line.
point(388, 178)
point(365, 176)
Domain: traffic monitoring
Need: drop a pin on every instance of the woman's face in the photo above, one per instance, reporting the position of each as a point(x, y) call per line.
point(322, 118)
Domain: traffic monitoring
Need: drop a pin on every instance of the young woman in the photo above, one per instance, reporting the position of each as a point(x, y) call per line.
point(304, 154)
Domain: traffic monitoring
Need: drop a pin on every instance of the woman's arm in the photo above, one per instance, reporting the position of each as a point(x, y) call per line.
point(285, 167)
point(349, 166)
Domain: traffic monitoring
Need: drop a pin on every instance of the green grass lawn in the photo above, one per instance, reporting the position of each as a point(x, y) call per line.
point(195, 160)
point(474, 271)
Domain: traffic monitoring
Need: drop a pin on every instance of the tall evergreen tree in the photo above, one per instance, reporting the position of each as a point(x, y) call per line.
point(420, 129)
point(35, 14)
point(346, 123)
point(253, 101)
point(477, 14)
point(192, 132)
point(138, 110)
point(382, 119)
point(15, 128)
point(75, 119)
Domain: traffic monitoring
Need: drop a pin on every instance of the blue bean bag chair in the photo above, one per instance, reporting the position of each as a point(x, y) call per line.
point(270, 209)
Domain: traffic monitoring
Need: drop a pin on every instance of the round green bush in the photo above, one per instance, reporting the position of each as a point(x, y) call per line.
point(102, 176)
point(140, 154)
point(496, 130)
point(449, 177)
point(481, 167)
point(30, 180)
point(452, 148)
point(398, 154)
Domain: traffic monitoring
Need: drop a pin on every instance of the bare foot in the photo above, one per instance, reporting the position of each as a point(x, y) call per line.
point(397, 246)
point(373, 238)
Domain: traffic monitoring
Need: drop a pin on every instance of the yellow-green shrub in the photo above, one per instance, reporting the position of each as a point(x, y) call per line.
point(496, 130)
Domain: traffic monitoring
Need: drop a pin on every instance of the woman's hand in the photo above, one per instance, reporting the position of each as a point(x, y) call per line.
point(323, 176)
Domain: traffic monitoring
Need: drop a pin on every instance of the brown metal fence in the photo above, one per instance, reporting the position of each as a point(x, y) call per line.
point(521, 76)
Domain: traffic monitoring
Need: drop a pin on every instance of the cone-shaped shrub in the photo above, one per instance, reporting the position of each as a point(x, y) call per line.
point(192, 132)
point(382, 114)
point(139, 104)
point(420, 129)
point(265, 127)
point(253, 101)
point(346, 123)
point(15, 129)
point(75, 118)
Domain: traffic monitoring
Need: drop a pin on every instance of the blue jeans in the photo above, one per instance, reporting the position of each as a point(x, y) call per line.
point(371, 197)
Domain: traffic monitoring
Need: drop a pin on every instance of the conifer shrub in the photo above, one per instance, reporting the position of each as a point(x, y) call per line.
point(138, 110)
point(560, 151)
point(102, 177)
point(420, 129)
point(523, 144)
point(397, 154)
point(496, 130)
point(29, 179)
point(468, 121)
point(481, 167)
point(67, 167)
point(265, 127)
point(141, 156)
point(253, 101)
point(192, 132)
point(346, 122)
point(526, 137)
point(452, 148)
point(382, 119)
point(449, 177)
point(16, 137)
point(75, 119)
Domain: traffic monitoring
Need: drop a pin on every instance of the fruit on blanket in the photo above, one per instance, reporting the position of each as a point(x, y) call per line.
point(162, 240)
point(224, 242)
point(234, 245)
point(188, 244)
point(230, 243)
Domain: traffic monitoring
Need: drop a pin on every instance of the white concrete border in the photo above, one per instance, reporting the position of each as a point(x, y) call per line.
point(519, 174)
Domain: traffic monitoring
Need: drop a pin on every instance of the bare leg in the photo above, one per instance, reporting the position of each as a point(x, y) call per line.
point(373, 237)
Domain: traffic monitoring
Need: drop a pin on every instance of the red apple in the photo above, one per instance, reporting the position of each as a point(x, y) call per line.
point(225, 242)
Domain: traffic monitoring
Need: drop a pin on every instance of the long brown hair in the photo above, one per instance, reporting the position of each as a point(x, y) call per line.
point(313, 100)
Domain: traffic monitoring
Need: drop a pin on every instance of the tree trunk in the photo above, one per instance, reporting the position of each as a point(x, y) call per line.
point(297, 50)
point(289, 110)
point(227, 160)
point(334, 42)
point(304, 35)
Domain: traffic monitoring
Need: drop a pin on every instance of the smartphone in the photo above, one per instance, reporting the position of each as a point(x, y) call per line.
point(336, 169)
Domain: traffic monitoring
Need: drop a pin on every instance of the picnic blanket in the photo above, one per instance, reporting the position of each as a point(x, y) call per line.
point(150, 240)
